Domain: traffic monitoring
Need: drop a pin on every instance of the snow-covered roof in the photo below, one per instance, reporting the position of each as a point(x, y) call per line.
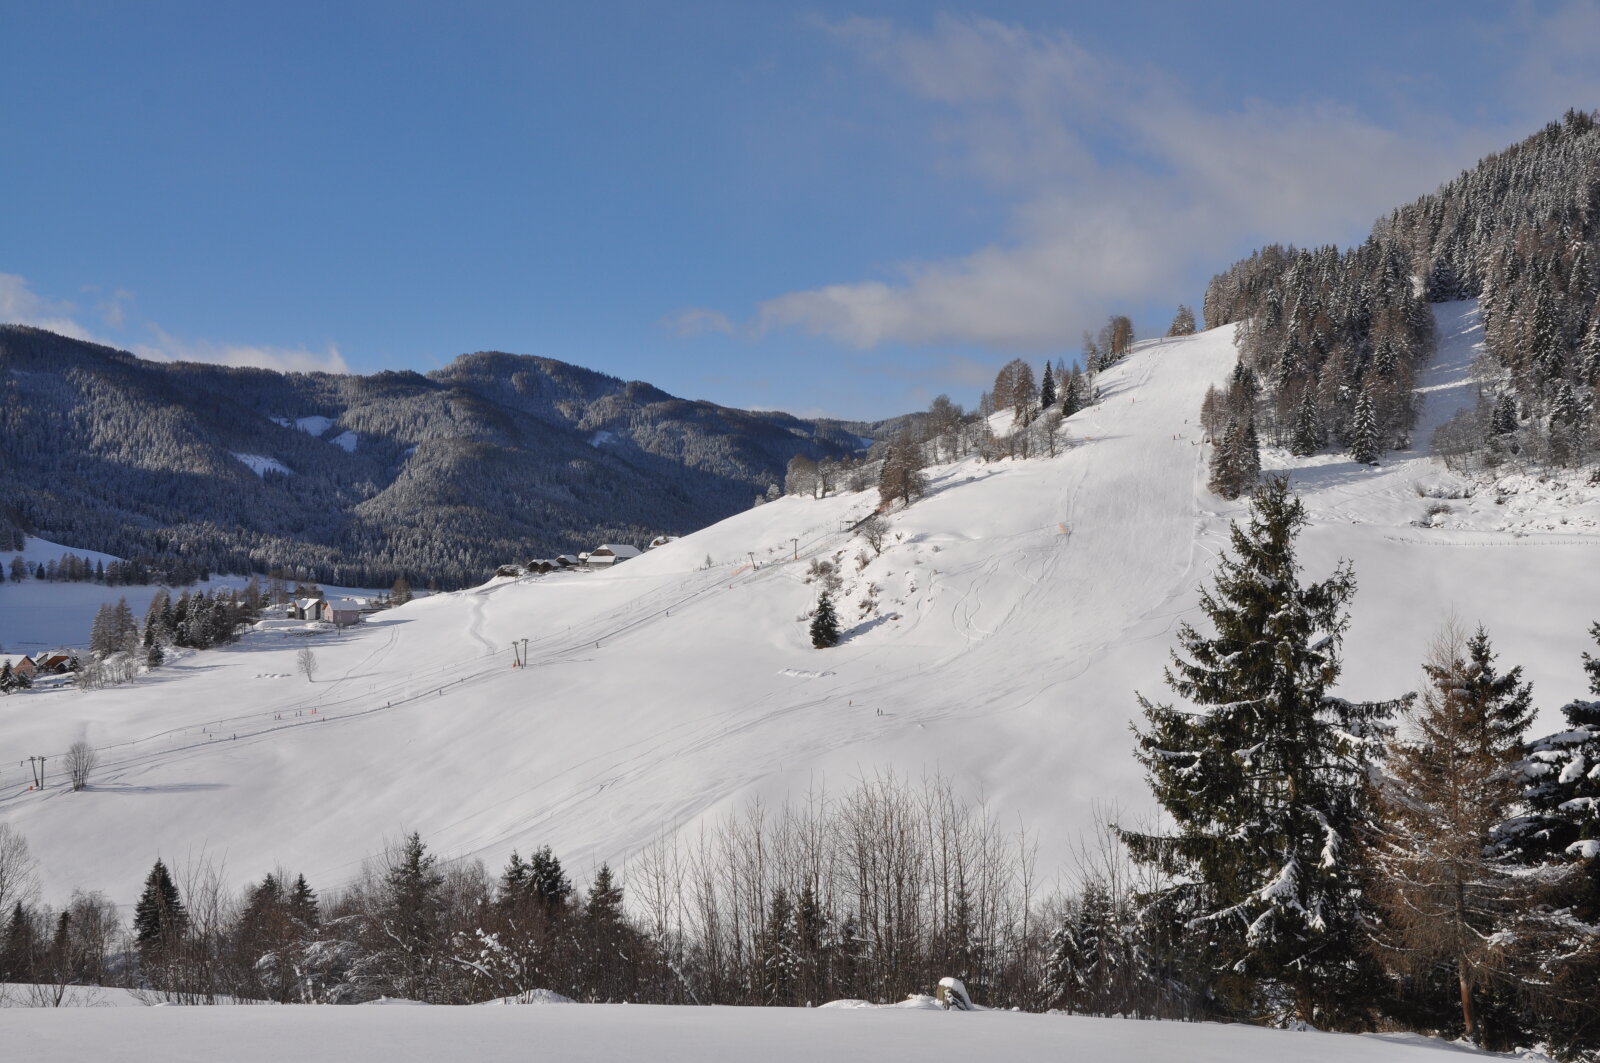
point(615, 550)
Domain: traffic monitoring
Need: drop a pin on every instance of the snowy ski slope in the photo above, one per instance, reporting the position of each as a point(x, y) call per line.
point(1018, 607)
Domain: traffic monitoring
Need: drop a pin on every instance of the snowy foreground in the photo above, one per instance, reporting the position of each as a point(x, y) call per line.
point(664, 1035)
point(999, 639)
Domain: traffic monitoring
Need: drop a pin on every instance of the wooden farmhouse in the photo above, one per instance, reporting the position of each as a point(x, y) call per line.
point(610, 553)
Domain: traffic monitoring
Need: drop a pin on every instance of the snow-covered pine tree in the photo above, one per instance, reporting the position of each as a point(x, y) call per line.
point(1589, 354)
point(1095, 961)
point(775, 952)
point(1073, 392)
point(1248, 459)
point(1182, 322)
point(605, 941)
point(1364, 443)
point(1558, 832)
point(547, 882)
point(302, 903)
point(1266, 781)
point(400, 926)
point(1448, 897)
point(1503, 421)
point(1307, 437)
point(1047, 387)
point(824, 623)
point(1225, 462)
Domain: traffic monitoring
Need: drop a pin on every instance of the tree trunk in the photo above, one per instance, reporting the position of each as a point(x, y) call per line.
point(1466, 1001)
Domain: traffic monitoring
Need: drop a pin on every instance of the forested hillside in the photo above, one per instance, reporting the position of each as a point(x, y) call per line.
point(359, 479)
point(1330, 341)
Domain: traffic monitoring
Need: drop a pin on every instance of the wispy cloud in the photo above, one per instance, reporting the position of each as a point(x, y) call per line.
point(113, 308)
point(697, 321)
point(1120, 185)
point(169, 348)
point(21, 305)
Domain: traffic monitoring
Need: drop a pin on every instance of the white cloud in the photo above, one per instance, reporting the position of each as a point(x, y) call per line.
point(1121, 187)
point(697, 321)
point(20, 305)
point(113, 309)
point(169, 348)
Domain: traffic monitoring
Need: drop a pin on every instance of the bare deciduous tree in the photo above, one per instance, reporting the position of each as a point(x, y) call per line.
point(874, 530)
point(81, 762)
point(306, 659)
point(18, 881)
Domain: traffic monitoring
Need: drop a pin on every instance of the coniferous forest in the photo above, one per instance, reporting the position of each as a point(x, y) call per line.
point(356, 481)
point(1330, 341)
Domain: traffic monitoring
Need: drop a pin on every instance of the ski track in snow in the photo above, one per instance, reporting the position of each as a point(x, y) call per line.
point(661, 692)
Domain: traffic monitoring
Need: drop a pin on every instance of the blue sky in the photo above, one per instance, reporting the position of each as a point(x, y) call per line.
point(832, 208)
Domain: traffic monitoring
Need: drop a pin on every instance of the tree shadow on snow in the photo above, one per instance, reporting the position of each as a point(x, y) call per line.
point(169, 788)
point(866, 626)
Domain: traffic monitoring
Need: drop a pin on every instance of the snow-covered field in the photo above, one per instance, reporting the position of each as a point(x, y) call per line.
point(665, 1035)
point(1017, 608)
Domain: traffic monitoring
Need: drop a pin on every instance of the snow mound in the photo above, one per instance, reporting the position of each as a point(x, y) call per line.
point(346, 441)
point(315, 425)
point(262, 465)
point(532, 996)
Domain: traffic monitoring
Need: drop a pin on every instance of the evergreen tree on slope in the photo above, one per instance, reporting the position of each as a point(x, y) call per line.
point(1266, 783)
point(1364, 431)
point(159, 919)
point(1558, 833)
point(1307, 438)
point(824, 624)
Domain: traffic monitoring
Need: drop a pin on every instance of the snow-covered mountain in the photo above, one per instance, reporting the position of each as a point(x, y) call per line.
point(998, 639)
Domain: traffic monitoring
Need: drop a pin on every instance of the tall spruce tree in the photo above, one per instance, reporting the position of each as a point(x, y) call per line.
point(1224, 461)
point(159, 919)
point(1248, 473)
point(1364, 441)
point(824, 623)
point(1266, 781)
point(1047, 387)
point(1307, 437)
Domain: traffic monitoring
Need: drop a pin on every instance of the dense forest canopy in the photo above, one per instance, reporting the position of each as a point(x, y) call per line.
point(356, 480)
point(1324, 331)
